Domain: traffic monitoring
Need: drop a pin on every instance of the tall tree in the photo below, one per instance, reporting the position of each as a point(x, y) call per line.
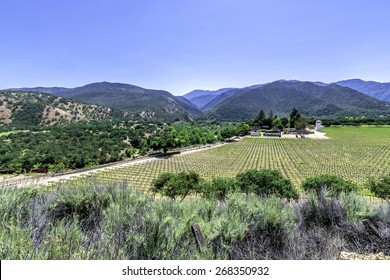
point(300, 125)
point(166, 141)
point(271, 114)
point(260, 118)
point(294, 116)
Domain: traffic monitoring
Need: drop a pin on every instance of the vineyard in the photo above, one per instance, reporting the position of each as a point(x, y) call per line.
point(353, 153)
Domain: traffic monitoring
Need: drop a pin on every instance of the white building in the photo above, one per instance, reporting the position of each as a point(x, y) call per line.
point(318, 125)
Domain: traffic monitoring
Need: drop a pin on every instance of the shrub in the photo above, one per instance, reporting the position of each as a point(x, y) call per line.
point(322, 211)
point(356, 206)
point(85, 203)
point(381, 187)
point(266, 182)
point(269, 232)
point(136, 226)
point(176, 185)
point(219, 188)
point(334, 184)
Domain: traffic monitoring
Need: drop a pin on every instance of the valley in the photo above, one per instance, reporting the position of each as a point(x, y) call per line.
point(128, 172)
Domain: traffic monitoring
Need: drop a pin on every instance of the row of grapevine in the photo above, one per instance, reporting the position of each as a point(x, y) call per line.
point(351, 153)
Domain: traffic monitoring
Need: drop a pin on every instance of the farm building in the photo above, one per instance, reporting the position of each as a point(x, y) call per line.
point(318, 125)
point(273, 133)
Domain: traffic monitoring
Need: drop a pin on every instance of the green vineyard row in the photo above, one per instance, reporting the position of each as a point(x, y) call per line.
point(351, 153)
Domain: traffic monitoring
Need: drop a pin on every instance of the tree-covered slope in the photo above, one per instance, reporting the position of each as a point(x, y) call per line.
point(310, 99)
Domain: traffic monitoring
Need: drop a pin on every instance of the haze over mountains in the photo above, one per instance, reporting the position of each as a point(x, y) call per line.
point(313, 99)
point(200, 97)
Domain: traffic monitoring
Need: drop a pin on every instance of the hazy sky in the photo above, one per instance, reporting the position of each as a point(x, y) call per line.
point(181, 45)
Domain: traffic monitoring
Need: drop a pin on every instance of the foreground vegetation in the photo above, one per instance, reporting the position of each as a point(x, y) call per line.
point(115, 221)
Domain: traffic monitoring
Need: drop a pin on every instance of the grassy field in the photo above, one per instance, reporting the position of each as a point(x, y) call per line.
point(353, 153)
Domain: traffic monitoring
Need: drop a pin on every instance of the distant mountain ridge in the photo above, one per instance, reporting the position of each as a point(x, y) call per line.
point(378, 90)
point(200, 97)
point(51, 90)
point(313, 99)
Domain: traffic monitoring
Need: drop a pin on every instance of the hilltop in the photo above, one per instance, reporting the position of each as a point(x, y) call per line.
point(37, 108)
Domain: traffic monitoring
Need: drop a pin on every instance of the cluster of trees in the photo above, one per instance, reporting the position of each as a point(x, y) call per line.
point(68, 147)
point(351, 121)
point(187, 134)
point(295, 120)
point(84, 144)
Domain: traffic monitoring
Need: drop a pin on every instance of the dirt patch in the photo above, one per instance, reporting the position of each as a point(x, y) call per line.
point(316, 135)
point(5, 115)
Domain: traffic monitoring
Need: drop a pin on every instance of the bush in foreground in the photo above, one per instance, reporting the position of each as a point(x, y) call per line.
point(334, 184)
point(380, 187)
point(219, 188)
point(266, 182)
point(85, 203)
point(176, 185)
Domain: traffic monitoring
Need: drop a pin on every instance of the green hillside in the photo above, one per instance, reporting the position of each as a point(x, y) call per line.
point(146, 103)
point(311, 100)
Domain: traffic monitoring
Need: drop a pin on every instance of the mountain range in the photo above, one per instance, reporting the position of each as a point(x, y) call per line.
point(313, 99)
point(138, 101)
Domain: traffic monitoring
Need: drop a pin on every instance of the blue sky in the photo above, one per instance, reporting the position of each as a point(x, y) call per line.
point(181, 45)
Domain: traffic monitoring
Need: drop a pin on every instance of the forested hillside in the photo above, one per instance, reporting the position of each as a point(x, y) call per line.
point(311, 100)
